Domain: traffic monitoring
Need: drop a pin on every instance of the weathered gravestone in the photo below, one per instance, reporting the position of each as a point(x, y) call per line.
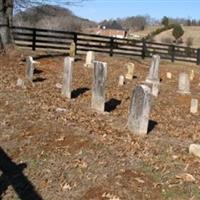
point(138, 118)
point(121, 80)
point(194, 106)
point(155, 89)
point(67, 77)
point(184, 83)
point(153, 76)
point(192, 75)
point(90, 57)
point(98, 90)
point(29, 68)
point(72, 49)
point(130, 68)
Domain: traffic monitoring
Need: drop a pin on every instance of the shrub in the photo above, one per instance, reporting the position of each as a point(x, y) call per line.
point(177, 32)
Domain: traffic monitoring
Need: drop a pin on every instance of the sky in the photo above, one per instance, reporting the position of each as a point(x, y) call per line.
point(99, 10)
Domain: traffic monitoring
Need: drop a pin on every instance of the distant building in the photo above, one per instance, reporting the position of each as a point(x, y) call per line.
point(110, 32)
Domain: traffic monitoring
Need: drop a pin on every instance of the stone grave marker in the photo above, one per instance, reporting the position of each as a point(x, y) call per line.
point(153, 75)
point(130, 68)
point(29, 68)
point(90, 57)
point(184, 83)
point(72, 50)
point(192, 75)
point(98, 89)
point(67, 77)
point(169, 75)
point(155, 89)
point(121, 80)
point(194, 106)
point(138, 118)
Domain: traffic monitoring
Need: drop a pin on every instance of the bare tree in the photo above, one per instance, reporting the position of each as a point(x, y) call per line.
point(6, 14)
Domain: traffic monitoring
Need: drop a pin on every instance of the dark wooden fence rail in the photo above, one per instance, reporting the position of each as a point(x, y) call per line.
point(60, 41)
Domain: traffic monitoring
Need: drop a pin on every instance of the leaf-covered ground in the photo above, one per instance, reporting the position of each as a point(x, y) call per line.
point(81, 154)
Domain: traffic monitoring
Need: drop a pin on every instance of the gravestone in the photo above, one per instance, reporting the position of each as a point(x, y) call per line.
point(20, 83)
point(29, 68)
point(98, 89)
point(184, 83)
point(194, 106)
point(67, 77)
point(192, 75)
point(138, 118)
point(130, 68)
point(121, 80)
point(90, 57)
point(155, 89)
point(72, 50)
point(169, 75)
point(153, 76)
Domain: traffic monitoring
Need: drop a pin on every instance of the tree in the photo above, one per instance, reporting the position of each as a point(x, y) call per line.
point(6, 15)
point(177, 32)
point(165, 21)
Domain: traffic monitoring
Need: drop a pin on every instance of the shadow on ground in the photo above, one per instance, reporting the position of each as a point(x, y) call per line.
point(76, 93)
point(112, 104)
point(151, 126)
point(12, 175)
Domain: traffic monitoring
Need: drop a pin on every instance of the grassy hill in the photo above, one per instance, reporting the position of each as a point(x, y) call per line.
point(189, 32)
point(52, 17)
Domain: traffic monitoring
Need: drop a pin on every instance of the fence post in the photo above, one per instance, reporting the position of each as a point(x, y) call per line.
point(111, 46)
point(144, 47)
point(34, 40)
point(198, 56)
point(75, 41)
point(173, 53)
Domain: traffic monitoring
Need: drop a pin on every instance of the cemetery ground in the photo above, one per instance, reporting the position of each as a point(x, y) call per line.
point(77, 153)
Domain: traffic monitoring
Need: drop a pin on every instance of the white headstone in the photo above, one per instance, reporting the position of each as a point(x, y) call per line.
point(184, 83)
point(153, 75)
point(155, 89)
point(98, 90)
point(29, 68)
point(192, 75)
point(138, 119)
point(195, 149)
point(90, 57)
point(194, 106)
point(67, 77)
point(130, 68)
point(121, 80)
point(169, 75)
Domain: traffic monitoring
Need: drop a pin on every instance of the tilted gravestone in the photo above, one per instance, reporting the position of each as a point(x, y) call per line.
point(130, 68)
point(72, 49)
point(184, 83)
point(67, 77)
point(121, 80)
point(194, 106)
point(90, 57)
point(138, 118)
point(153, 75)
point(98, 90)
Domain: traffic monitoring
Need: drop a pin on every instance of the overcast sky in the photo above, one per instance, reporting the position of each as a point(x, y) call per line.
point(105, 9)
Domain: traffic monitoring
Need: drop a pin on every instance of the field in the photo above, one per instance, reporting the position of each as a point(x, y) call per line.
point(81, 154)
point(189, 32)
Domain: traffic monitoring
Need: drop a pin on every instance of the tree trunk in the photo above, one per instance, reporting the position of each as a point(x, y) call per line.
point(6, 13)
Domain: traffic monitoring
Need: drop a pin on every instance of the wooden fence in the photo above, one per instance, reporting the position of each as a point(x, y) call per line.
point(35, 38)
